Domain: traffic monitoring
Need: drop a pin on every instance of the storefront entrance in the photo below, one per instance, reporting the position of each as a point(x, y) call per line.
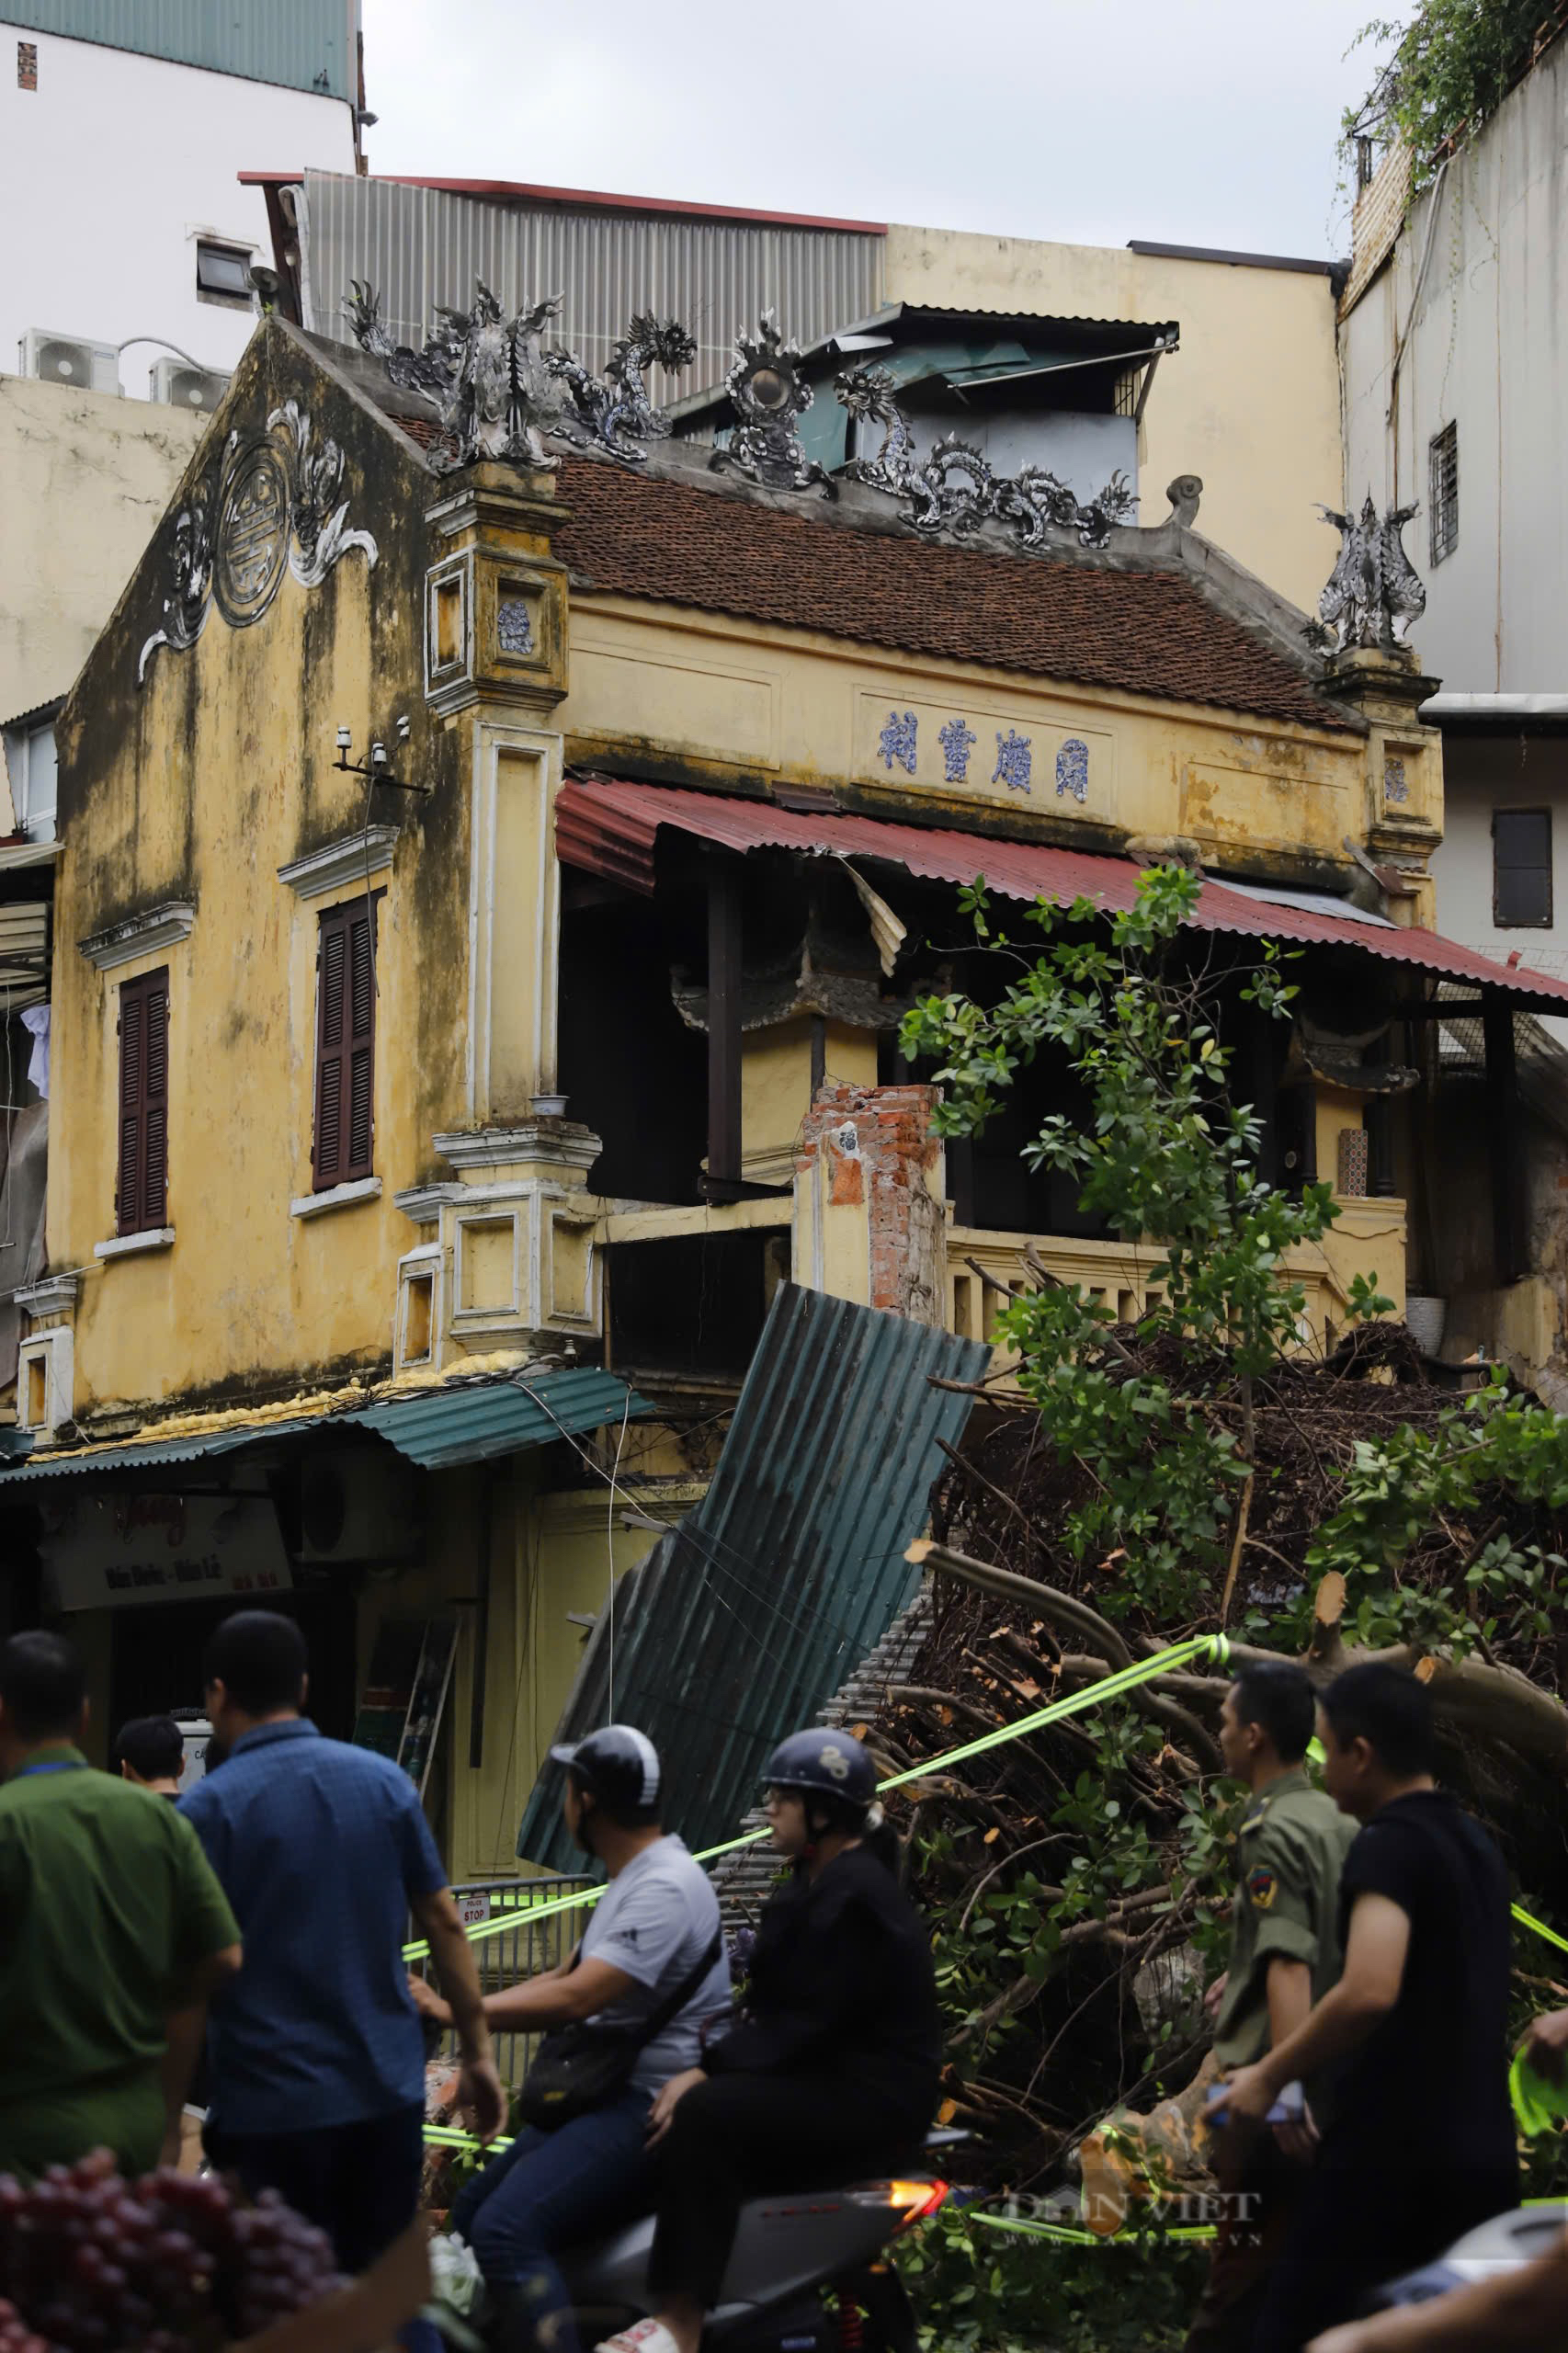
point(155, 1654)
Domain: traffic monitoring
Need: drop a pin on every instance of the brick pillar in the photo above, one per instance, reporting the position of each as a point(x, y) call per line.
point(870, 1179)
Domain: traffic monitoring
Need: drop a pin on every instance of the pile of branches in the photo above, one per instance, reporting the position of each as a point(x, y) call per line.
point(1070, 1997)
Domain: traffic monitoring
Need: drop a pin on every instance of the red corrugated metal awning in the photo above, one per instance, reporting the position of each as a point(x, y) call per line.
point(609, 828)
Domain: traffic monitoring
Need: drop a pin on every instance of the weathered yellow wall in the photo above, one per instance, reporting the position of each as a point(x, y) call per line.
point(800, 708)
point(776, 1087)
point(198, 786)
point(1250, 402)
point(84, 479)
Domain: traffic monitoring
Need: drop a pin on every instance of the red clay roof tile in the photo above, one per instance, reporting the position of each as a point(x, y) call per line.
point(1146, 633)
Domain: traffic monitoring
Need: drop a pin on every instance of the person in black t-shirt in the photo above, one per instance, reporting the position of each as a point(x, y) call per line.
point(1421, 2146)
point(832, 2074)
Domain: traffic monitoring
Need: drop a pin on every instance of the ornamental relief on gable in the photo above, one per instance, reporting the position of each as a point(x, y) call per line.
point(269, 503)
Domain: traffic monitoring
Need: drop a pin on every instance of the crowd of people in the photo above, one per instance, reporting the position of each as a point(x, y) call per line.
point(252, 1928)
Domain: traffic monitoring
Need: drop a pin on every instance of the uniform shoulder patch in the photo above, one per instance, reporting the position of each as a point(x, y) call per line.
point(1261, 1887)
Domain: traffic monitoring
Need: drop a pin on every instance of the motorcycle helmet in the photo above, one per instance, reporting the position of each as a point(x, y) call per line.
point(825, 1764)
point(618, 1765)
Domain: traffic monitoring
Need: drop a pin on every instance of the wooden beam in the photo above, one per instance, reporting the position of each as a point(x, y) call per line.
point(723, 1029)
point(1505, 1145)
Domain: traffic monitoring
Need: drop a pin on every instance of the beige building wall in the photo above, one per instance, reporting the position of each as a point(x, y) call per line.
point(1250, 402)
point(84, 479)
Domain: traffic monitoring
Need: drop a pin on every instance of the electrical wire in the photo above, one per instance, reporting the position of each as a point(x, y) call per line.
point(609, 1531)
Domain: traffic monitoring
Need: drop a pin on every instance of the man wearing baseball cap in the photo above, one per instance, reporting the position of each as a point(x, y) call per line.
point(652, 1955)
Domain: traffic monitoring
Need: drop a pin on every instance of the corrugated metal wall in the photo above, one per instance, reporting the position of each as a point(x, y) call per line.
point(298, 44)
point(419, 247)
point(746, 1618)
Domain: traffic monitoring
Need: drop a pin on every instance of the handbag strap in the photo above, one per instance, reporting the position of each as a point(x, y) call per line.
point(657, 2021)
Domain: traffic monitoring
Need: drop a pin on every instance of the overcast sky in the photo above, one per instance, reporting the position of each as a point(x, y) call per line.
point(1208, 122)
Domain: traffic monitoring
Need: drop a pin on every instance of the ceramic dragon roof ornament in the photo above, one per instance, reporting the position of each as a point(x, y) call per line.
point(767, 393)
point(1373, 586)
point(955, 488)
point(498, 388)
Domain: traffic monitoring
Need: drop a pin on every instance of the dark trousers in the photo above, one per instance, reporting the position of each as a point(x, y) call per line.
point(736, 2137)
point(1353, 2231)
point(359, 2183)
point(546, 2191)
point(1260, 2190)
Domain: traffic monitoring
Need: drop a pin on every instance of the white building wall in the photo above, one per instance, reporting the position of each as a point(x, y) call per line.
point(1485, 348)
point(1481, 774)
point(112, 168)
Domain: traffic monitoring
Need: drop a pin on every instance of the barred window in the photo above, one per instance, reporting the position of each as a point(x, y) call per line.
point(1443, 454)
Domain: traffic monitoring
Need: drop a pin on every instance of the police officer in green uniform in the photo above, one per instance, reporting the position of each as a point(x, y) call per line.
point(1284, 1953)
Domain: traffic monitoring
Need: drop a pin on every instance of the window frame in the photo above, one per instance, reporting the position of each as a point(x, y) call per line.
point(142, 1206)
point(1502, 922)
point(1443, 505)
point(222, 250)
point(353, 1042)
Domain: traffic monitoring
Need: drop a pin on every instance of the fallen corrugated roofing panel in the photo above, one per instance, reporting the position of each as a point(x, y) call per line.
point(746, 1618)
point(608, 827)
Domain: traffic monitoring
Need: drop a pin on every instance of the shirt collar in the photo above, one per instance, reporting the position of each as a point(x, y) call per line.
point(53, 1752)
point(1295, 1777)
point(263, 1735)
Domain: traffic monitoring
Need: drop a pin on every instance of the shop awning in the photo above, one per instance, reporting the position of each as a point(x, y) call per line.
point(472, 1422)
point(438, 1427)
point(609, 828)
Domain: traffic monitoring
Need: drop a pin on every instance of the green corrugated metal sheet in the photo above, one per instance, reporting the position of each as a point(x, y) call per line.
point(131, 1457)
point(297, 44)
point(438, 1429)
point(469, 1423)
point(746, 1619)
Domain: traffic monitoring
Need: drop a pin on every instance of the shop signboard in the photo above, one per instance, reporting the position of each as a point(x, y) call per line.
point(115, 1551)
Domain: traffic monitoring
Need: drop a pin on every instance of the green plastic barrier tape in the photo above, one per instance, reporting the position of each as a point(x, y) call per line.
point(1528, 1920)
point(1215, 1647)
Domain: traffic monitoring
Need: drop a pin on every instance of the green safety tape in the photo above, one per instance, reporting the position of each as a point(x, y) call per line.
point(1528, 1920)
point(1213, 1647)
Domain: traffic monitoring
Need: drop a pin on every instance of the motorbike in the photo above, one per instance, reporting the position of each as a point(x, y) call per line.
point(1499, 2245)
point(810, 2273)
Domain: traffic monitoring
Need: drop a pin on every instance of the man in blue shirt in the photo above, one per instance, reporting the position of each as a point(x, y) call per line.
point(317, 2053)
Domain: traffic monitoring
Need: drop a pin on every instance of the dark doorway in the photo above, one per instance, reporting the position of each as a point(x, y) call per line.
point(155, 1654)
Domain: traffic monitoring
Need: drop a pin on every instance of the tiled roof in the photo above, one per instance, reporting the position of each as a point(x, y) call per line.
point(1147, 632)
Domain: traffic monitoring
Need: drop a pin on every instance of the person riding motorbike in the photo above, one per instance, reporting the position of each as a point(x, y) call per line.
point(831, 2074)
point(650, 1969)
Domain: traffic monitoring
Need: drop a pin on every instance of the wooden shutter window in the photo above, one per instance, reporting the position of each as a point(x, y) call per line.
point(142, 1186)
point(346, 1046)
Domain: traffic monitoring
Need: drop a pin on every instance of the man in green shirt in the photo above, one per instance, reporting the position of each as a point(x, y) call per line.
point(113, 1933)
point(1285, 1953)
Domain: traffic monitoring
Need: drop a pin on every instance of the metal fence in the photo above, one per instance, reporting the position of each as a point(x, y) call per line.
point(517, 1952)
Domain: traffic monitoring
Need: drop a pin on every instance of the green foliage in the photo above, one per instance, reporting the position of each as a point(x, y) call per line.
point(1494, 1452)
point(1454, 64)
point(997, 2291)
point(1163, 1152)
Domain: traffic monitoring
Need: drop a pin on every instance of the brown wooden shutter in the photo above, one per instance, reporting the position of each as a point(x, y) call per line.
point(346, 1046)
point(141, 1188)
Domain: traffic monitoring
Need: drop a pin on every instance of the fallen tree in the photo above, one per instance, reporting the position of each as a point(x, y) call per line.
point(1123, 1486)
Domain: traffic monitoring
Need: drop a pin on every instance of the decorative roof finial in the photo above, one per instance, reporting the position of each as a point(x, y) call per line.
point(1373, 585)
point(769, 393)
point(498, 389)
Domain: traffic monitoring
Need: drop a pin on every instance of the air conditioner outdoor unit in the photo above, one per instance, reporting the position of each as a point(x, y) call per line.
point(183, 387)
point(68, 359)
point(363, 1508)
